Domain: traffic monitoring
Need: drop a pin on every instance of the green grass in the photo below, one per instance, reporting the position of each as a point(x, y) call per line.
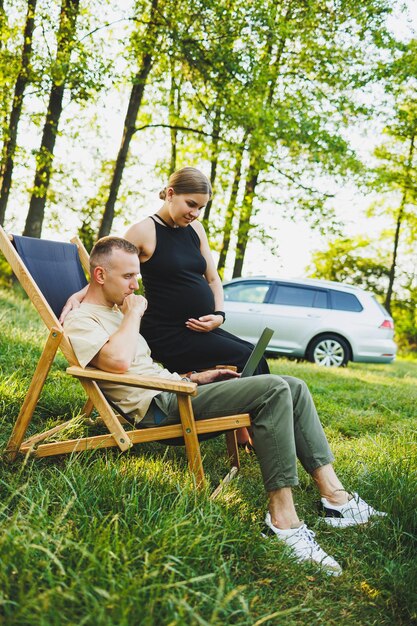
point(122, 539)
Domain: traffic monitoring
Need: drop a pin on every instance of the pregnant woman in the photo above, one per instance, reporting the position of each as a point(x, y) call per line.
point(183, 289)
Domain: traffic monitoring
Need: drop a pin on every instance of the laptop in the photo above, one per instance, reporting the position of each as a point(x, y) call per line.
point(257, 353)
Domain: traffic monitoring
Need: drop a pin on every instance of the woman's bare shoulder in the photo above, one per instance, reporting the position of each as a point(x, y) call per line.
point(142, 235)
point(199, 228)
point(139, 231)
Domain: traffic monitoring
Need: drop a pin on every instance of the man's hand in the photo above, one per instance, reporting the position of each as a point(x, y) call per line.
point(118, 353)
point(204, 324)
point(213, 376)
point(135, 304)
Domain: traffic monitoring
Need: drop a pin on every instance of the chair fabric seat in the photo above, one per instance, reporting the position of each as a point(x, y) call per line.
point(44, 259)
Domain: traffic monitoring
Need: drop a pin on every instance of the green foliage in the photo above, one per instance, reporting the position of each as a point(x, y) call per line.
point(396, 174)
point(6, 274)
point(279, 83)
point(261, 76)
point(356, 260)
point(405, 315)
point(103, 538)
point(10, 44)
point(81, 62)
point(397, 170)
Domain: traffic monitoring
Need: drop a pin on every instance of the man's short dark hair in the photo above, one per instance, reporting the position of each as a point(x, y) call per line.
point(102, 251)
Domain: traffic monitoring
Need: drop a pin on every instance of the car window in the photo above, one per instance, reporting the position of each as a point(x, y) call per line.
point(343, 301)
point(294, 295)
point(321, 300)
point(246, 292)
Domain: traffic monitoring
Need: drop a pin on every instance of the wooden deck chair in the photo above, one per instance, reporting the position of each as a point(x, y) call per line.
point(49, 272)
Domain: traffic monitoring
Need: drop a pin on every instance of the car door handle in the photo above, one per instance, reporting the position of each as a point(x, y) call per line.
point(254, 310)
point(312, 315)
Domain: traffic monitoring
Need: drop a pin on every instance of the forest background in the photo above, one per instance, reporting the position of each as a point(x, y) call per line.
point(301, 113)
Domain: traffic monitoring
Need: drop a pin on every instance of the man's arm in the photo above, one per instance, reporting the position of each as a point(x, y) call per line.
point(118, 352)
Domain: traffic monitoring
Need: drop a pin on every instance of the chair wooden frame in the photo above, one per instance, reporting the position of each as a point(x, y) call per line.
point(117, 436)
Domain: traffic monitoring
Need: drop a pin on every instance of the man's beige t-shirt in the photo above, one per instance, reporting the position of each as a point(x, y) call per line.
point(88, 328)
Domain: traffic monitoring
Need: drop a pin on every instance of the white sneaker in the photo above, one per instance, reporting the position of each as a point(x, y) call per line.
point(303, 546)
point(355, 511)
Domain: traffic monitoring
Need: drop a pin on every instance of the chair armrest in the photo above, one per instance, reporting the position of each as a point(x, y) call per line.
point(134, 380)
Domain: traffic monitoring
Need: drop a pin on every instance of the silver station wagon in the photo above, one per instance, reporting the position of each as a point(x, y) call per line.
point(325, 322)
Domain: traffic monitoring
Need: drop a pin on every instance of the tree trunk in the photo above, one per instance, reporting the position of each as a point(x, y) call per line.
point(9, 145)
point(135, 102)
point(227, 229)
point(213, 162)
point(66, 32)
point(174, 110)
point(400, 215)
point(244, 221)
point(391, 276)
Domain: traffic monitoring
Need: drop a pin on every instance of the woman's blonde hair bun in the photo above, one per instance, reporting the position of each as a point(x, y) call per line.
point(188, 180)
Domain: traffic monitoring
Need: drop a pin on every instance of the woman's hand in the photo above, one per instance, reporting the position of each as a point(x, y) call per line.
point(204, 324)
point(73, 302)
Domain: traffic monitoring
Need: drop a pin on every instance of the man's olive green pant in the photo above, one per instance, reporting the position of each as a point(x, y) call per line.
point(284, 419)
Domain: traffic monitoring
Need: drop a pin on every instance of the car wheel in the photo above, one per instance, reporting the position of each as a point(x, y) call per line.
point(328, 351)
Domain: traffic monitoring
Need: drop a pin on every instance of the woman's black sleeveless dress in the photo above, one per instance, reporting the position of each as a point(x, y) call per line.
point(175, 287)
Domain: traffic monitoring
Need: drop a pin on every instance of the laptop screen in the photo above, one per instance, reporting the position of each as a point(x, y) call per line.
point(257, 353)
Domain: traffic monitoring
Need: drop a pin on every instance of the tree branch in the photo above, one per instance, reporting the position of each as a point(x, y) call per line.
point(297, 183)
point(175, 127)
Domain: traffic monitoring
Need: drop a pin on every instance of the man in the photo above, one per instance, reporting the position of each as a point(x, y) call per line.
point(104, 333)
